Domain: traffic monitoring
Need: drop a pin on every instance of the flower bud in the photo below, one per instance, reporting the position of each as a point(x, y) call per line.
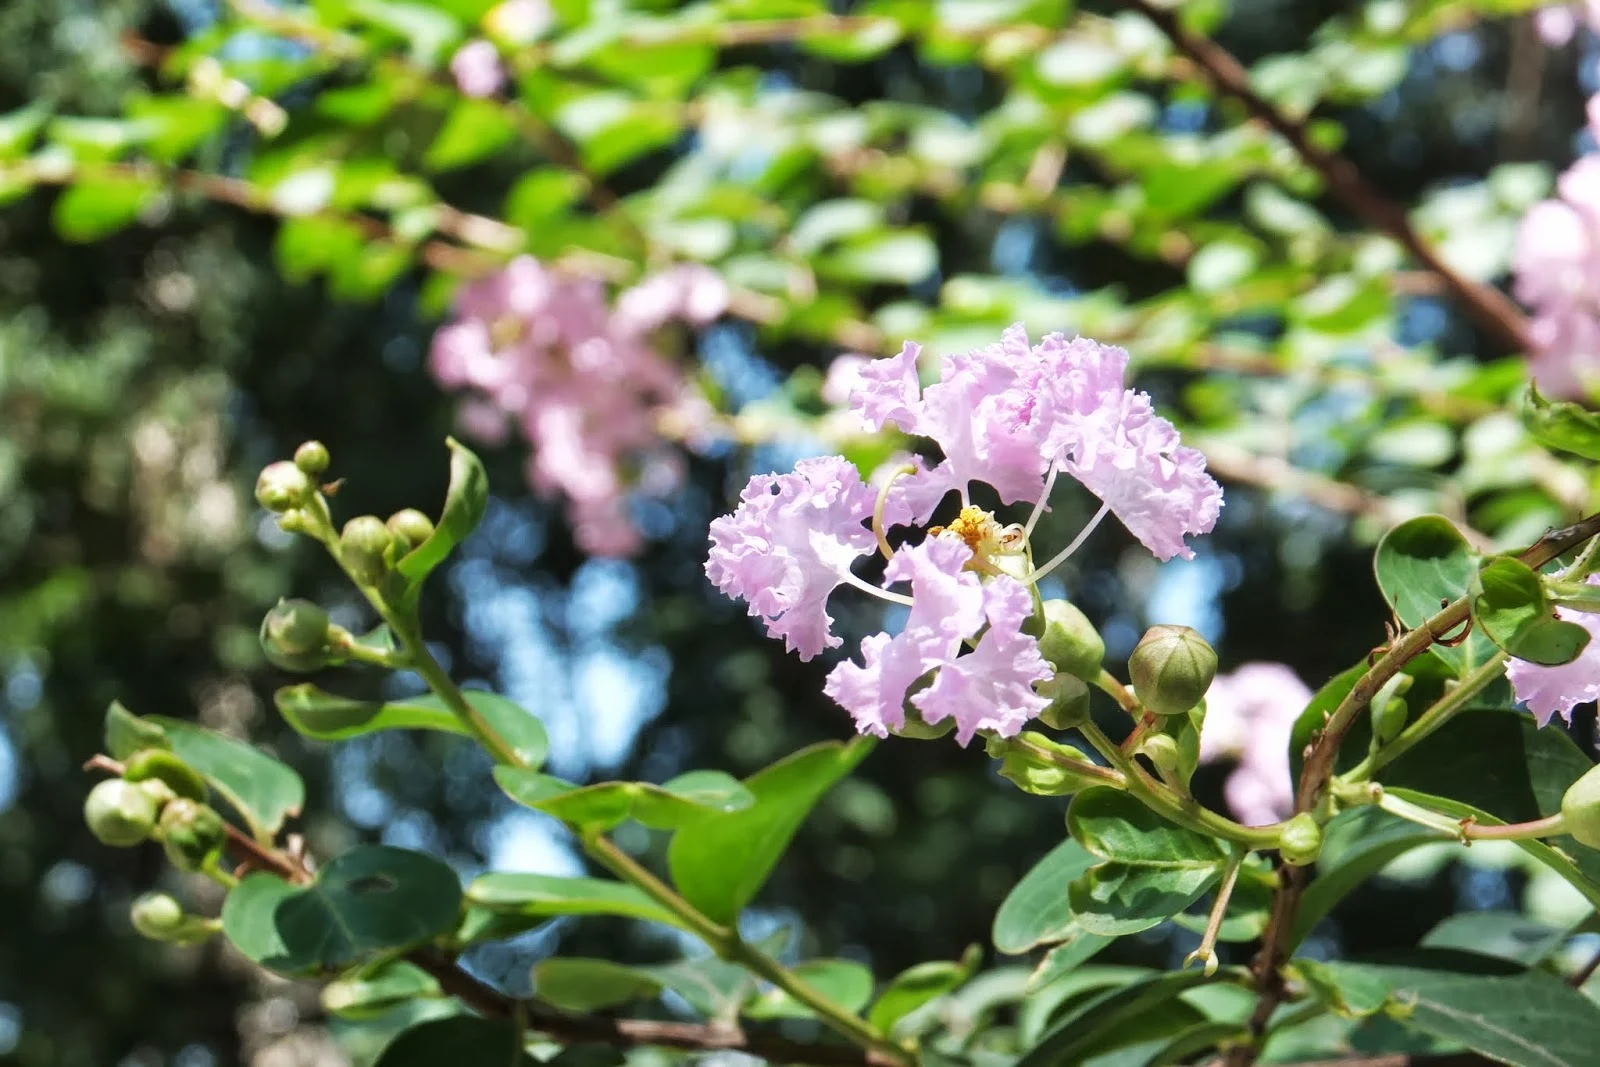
point(155, 767)
point(1388, 710)
point(312, 458)
point(295, 635)
point(1580, 808)
point(1162, 750)
point(361, 546)
point(1069, 701)
point(410, 528)
point(1301, 840)
point(119, 813)
point(190, 832)
point(1171, 667)
point(1070, 642)
point(1035, 764)
point(158, 791)
point(283, 487)
point(157, 916)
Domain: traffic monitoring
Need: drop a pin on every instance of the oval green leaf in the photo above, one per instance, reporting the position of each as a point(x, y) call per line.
point(262, 790)
point(326, 716)
point(541, 895)
point(1422, 564)
point(465, 501)
point(844, 982)
point(1510, 605)
point(576, 984)
point(1035, 912)
point(681, 802)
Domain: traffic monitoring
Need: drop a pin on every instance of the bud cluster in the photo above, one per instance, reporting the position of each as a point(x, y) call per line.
point(161, 798)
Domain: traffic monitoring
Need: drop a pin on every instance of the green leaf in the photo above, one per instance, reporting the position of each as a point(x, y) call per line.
point(613, 129)
point(918, 985)
point(365, 995)
point(543, 895)
point(1115, 826)
point(126, 733)
point(540, 195)
point(856, 45)
point(590, 985)
point(720, 863)
point(1111, 1020)
point(1035, 912)
point(681, 802)
point(262, 790)
point(473, 131)
point(310, 245)
point(461, 1039)
point(1422, 564)
point(715, 988)
point(325, 716)
point(902, 258)
point(371, 899)
point(176, 125)
point(427, 31)
point(1523, 1018)
point(1355, 846)
point(98, 207)
point(844, 982)
point(465, 501)
point(1510, 606)
point(1505, 935)
point(19, 128)
point(1119, 898)
point(1561, 425)
point(1079, 947)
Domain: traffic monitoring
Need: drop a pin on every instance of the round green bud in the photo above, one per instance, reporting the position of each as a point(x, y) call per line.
point(283, 487)
point(159, 767)
point(157, 916)
point(1070, 642)
point(190, 832)
point(410, 527)
point(1069, 701)
point(1388, 710)
point(312, 458)
point(1301, 840)
point(119, 813)
point(295, 635)
point(1171, 667)
point(361, 546)
point(1580, 808)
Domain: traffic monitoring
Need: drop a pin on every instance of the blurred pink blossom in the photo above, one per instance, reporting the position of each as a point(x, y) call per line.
point(1250, 716)
point(477, 69)
point(1558, 23)
point(582, 380)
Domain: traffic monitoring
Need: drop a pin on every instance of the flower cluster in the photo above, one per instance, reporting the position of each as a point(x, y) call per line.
point(580, 377)
point(1556, 261)
point(1552, 691)
point(1012, 416)
point(1250, 717)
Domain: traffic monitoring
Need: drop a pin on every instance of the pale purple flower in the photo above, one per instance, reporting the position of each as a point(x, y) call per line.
point(991, 687)
point(888, 390)
point(1250, 716)
point(1557, 23)
point(1552, 691)
point(477, 69)
point(691, 292)
point(844, 375)
point(789, 544)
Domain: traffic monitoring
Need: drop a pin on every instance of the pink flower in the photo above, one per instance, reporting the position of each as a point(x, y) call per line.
point(1250, 716)
point(691, 292)
point(477, 69)
point(888, 390)
point(1558, 22)
point(789, 544)
point(1552, 691)
point(991, 687)
point(844, 375)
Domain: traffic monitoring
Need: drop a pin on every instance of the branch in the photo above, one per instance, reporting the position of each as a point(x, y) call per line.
point(1492, 309)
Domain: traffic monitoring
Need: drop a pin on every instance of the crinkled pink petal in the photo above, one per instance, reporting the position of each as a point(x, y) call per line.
point(1552, 691)
point(890, 391)
point(991, 687)
point(787, 545)
point(477, 69)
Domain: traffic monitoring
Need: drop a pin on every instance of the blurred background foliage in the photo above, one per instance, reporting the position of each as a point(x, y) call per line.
point(147, 376)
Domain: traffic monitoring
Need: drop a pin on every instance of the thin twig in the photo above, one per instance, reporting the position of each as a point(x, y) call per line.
point(1493, 310)
point(1578, 980)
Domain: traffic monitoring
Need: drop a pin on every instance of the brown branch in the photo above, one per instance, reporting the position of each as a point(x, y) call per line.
point(1492, 309)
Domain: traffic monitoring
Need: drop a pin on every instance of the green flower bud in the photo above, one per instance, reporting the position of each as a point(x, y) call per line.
point(1580, 808)
point(312, 458)
point(119, 813)
point(410, 528)
point(191, 833)
point(158, 791)
point(1035, 764)
point(157, 916)
point(1171, 667)
point(1388, 710)
point(283, 487)
point(1070, 642)
point(1162, 750)
point(1301, 840)
point(295, 636)
point(159, 767)
point(1069, 701)
point(361, 546)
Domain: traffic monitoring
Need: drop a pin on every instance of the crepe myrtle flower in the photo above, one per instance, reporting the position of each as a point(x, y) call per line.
point(1013, 416)
point(1552, 691)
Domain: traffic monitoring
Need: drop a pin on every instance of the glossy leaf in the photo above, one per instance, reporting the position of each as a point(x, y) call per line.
point(590, 985)
point(918, 985)
point(95, 209)
point(371, 899)
point(1036, 912)
point(1115, 826)
point(1505, 935)
point(465, 501)
point(1113, 1019)
point(681, 802)
point(262, 790)
point(1422, 564)
point(362, 996)
point(1561, 424)
point(544, 895)
point(1117, 898)
point(1510, 606)
point(126, 733)
point(1356, 845)
point(460, 1039)
point(1078, 948)
point(474, 130)
point(846, 983)
point(720, 863)
point(326, 716)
